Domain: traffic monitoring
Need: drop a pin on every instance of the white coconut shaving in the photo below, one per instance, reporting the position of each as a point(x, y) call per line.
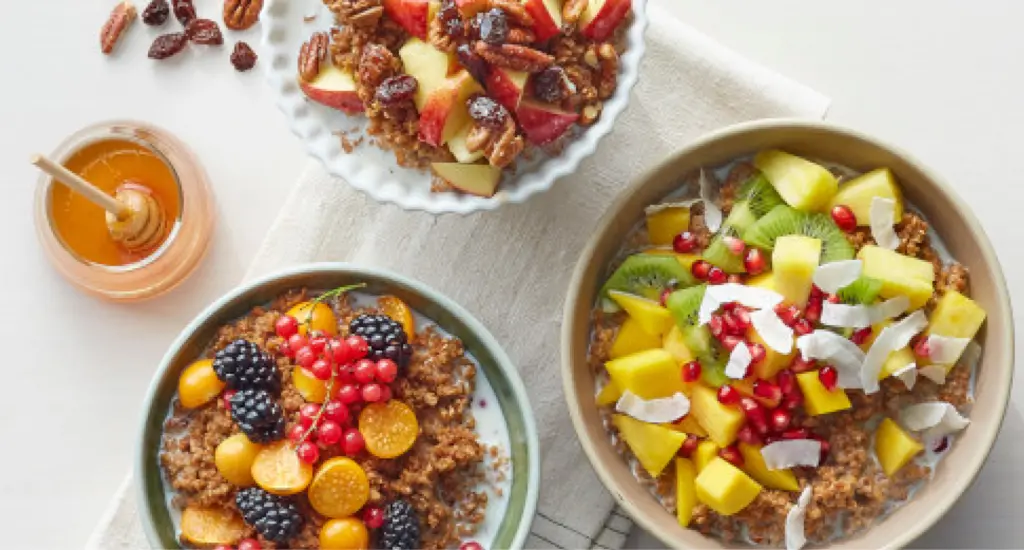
point(936, 419)
point(795, 537)
point(712, 213)
point(739, 362)
point(935, 373)
point(655, 208)
point(772, 330)
point(749, 296)
point(893, 307)
point(844, 315)
point(833, 276)
point(907, 374)
point(945, 350)
point(789, 453)
point(832, 348)
point(882, 212)
point(892, 338)
point(655, 411)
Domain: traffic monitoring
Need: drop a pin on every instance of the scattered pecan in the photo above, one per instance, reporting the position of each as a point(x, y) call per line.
point(519, 35)
point(311, 54)
point(242, 57)
point(242, 14)
point(515, 10)
point(369, 17)
point(505, 145)
point(590, 113)
point(439, 36)
point(204, 31)
point(156, 13)
point(120, 19)
point(168, 45)
point(572, 10)
point(358, 13)
point(514, 56)
point(478, 138)
point(184, 10)
point(608, 65)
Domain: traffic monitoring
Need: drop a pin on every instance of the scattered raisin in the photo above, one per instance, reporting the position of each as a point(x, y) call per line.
point(451, 19)
point(204, 31)
point(396, 89)
point(156, 13)
point(494, 27)
point(243, 58)
point(487, 112)
point(552, 84)
point(167, 45)
point(473, 27)
point(185, 11)
point(477, 67)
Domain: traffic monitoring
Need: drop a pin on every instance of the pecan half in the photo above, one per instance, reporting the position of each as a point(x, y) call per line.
point(501, 146)
point(242, 14)
point(515, 10)
point(311, 54)
point(358, 13)
point(572, 10)
point(514, 56)
point(120, 19)
point(519, 35)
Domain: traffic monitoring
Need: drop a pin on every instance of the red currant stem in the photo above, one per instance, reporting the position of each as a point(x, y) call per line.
point(327, 296)
point(323, 406)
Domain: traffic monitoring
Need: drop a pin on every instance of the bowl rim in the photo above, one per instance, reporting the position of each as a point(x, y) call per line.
point(989, 431)
point(502, 361)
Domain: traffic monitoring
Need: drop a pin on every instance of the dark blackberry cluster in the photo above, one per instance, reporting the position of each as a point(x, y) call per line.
point(401, 529)
point(385, 337)
point(243, 365)
point(258, 415)
point(276, 518)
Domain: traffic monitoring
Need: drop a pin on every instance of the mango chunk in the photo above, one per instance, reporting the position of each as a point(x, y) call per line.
point(674, 343)
point(896, 361)
point(705, 453)
point(609, 394)
point(794, 261)
point(689, 425)
point(858, 193)
point(725, 488)
point(649, 374)
point(665, 224)
point(753, 464)
point(765, 280)
point(894, 447)
point(721, 421)
point(956, 316)
point(686, 491)
point(653, 445)
point(773, 361)
point(631, 338)
point(818, 399)
point(900, 275)
point(803, 184)
point(652, 318)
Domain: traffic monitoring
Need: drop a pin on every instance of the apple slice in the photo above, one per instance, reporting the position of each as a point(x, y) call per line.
point(469, 8)
point(601, 17)
point(547, 17)
point(544, 123)
point(334, 88)
point(457, 145)
point(445, 112)
point(427, 64)
point(475, 179)
point(506, 86)
point(412, 15)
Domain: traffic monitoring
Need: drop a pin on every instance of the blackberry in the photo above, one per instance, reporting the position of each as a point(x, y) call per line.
point(385, 337)
point(276, 518)
point(242, 365)
point(401, 529)
point(258, 415)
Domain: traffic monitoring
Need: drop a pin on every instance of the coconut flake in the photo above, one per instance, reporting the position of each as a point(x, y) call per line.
point(795, 537)
point(945, 350)
point(844, 315)
point(936, 419)
point(893, 307)
point(772, 330)
point(892, 338)
point(907, 374)
point(739, 362)
point(653, 209)
point(712, 213)
point(655, 411)
point(935, 373)
point(788, 453)
point(843, 354)
point(749, 296)
point(833, 276)
point(882, 212)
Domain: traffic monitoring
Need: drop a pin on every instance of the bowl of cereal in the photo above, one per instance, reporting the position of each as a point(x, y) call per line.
point(334, 406)
point(788, 334)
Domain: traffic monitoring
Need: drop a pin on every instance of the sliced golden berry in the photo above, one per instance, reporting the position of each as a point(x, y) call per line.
point(211, 526)
point(344, 534)
point(278, 470)
point(199, 384)
point(234, 458)
point(310, 387)
point(339, 489)
point(317, 316)
point(390, 429)
point(397, 310)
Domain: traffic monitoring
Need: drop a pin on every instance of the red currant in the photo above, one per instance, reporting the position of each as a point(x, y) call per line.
point(223, 547)
point(716, 276)
point(691, 371)
point(296, 432)
point(352, 442)
point(336, 411)
point(385, 394)
point(308, 414)
point(373, 517)
point(365, 371)
point(329, 432)
point(700, 269)
point(728, 395)
point(297, 341)
point(387, 371)
point(349, 394)
point(308, 452)
point(754, 261)
point(318, 343)
point(321, 369)
point(249, 544)
point(286, 326)
point(372, 393)
point(305, 357)
point(828, 377)
point(684, 243)
point(844, 218)
point(358, 346)
point(471, 545)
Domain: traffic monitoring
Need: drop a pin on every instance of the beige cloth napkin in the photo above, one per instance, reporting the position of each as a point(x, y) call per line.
point(510, 268)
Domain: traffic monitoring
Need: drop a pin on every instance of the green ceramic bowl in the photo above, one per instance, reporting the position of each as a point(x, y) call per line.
point(498, 368)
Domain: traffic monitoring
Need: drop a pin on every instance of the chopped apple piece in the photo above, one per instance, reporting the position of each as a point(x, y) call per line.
point(608, 395)
point(547, 17)
point(475, 179)
point(803, 184)
point(818, 399)
point(794, 261)
point(894, 447)
point(601, 17)
point(649, 374)
point(542, 123)
point(705, 453)
point(725, 488)
point(721, 421)
point(631, 339)
point(858, 193)
point(956, 316)
point(675, 343)
point(653, 318)
point(753, 464)
point(334, 88)
point(412, 15)
point(457, 145)
point(665, 224)
point(686, 490)
point(653, 445)
point(506, 86)
point(427, 64)
point(900, 275)
point(445, 111)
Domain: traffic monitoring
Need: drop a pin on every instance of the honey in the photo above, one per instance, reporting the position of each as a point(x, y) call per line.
point(111, 164)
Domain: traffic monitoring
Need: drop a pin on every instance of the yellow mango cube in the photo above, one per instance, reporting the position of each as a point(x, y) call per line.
point(609, 394)
point(765, 280)
point(754, 465)
point(650, 315)
point(705, 453)
point(665, 224)
point(794, 260)
point(803, 184)
point(725, 488)
point(956, 316)
point(631, 338)
point(896, 361)
point(674, 343)
point(686, 491)
point(818, 399)
point(858, 193)
point(773, 361)
point(894, 447)
point(689, 425)
point(649, 374)
point(900, 275)
point(653, 445)
point(720, 421)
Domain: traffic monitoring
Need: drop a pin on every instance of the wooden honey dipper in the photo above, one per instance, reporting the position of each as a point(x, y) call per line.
point(134, 218)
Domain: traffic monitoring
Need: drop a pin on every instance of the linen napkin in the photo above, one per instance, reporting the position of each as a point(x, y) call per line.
point(511, 268)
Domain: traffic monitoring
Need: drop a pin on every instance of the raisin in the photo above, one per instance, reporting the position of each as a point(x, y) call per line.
point(451, 19)
point(487, 112)
point(396, 89)
point(477, 67)
point(185, 11)
point(204, 31)
point(156, 13)
point(494, 27)
point(167, 45)
point(243, 58)
point(552, 84)
point(473, 28)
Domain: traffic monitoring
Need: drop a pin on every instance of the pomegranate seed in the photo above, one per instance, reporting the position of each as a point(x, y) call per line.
point(793, 401)
point(716, 276)
point(717, 326)
point(921, 347)
point(286, 326)
point(786, 381)
point(729, 341)
point(757, 353)
point(732, 454)
point(941, 445)
point(732, 326)
point(800, 364)
point(329, 432)
point(769, 439)
point(832, 298)
point(767, 393)
point(729, 306)
point(828, 377)
point(755, 414)
point(336, 411)
point(825, 448)
point(689, 446)
point(321, 369)
point(296, 432)
point(816, 294)
point(349, 394)
point(664, 296)
point(860, 336)
point(691, 371)
point(813, 312)
point(358, 346)
point(365, 371)
point(387, 371)
point(802, 327)
point(788, 314)
point(228, 394)
point(753, 261)
point(700, 269)
point(471, 545)
point(742, 316)
point(308, 452)
point(373, 517)
point(249, 544)
point(297, 342)
point(685, 242)
point(372, 393)
point(844, 218)
point(352, 442)
point(748, 435)
point(734, 244)
point(736, 279)
point(796, 433)
point(780, 419)
point(728, 395)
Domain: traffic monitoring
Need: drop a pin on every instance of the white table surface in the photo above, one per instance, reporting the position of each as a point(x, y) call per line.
point(941, 78)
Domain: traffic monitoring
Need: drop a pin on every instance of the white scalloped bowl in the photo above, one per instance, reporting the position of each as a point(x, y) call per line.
point(375, 171)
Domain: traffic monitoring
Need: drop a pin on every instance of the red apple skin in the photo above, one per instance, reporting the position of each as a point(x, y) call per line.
point(544, 26)
point(501, 87)
point(435, 113)
point(544, 123)
point(412, 15)
point(607, 19)
point(343, 100)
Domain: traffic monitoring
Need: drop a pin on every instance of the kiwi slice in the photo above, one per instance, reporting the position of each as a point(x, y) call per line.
point(646, 275)
point(717, 253)
point(783, 220)
point(685, 305)
point(862, 291)
point(760, 195)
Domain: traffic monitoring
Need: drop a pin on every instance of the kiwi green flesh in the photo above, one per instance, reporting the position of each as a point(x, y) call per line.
point(760, 194)
point(704, 348)
point(783, 220)
point(864, 290)
point(717, 253)
point(646, 275)
point(684, 306)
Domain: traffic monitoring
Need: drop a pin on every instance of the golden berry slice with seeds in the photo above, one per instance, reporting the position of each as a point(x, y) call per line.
point(278, 470)
point(390, 429)
point(211, 526)
point(316, 316)
point(399, 311)
point(339, 489)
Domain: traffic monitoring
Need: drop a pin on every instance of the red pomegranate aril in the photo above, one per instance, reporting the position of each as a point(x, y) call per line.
point(365, 371)
point(286, 326)
point(803, 327)
point(816, 294)
point(767, 393)
point(329, 432)
point(786, 381)
point(249, 544)
point(729, 306)
point(748, 435)
point(305, 357)
point(321, 369)
point(716, 276)
point(860, 336)
point(663, 299)
point(753, 261)
point(789, 314)
point(742, 316)
point(685, 242)
point(730, 341)
point(728, 395)
point(349, 394)
point(757, 353)
point(796, 433)
point(223, 547)
point(689, 445)
point(828, 377)
point(732, 326)
point(700, 269)
point(780, 420)
point(800, 364)
point(921, 347)
point(769, 439)
point(813, 312)
point(296, 432)
point(732, 454)
point(825, 448)
point(471, 545)
point(832, 298)
point(372, 393)
point(358, 347)
point(352, 443)
point(691, 371)
point(734, 244)
point(297, 342)
point(844, 218)
point(336, 411)
point(308, 452)
point(736, 279)
point(941, 445)
point(373, 517)
point(793, 401)
point(717, 326)
point(755, 413)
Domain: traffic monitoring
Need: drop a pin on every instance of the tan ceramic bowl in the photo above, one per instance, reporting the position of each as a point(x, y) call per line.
point(955, 224)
